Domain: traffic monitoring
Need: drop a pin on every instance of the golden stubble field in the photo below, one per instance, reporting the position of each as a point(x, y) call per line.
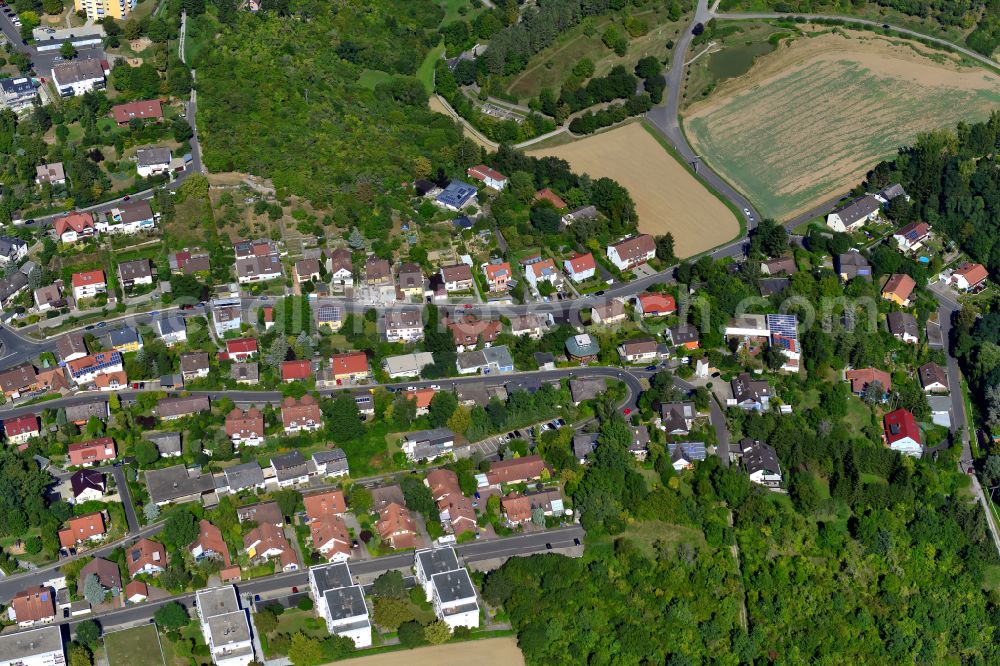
point(487, 652)
point(810, 119)
point(667, 197)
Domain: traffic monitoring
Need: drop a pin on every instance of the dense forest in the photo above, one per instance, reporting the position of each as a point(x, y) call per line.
point(954, 185)
point(296, 113)
point(960, 14)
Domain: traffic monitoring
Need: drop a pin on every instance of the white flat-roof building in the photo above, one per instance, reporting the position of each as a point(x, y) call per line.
point(407, 365)
point(454, 599)
point(37, 647)
point(434, 561)
point(448, 587)
point(341, 603)
point(225, 625)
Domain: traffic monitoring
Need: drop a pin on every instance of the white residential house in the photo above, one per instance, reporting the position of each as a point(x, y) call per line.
point(152, 161)
point(632, 252)
point(448, 587)
point(225, 626)
point(487, 176)
point(78, 77)
point(89, 284)
point(129, 218)
point(454, 599)
point(404, 326)
point(172, 329)
point(542, 271)
point(580, 267)
point(12, 250)
point(762, 465)
point(340, 602)
point(854, 215)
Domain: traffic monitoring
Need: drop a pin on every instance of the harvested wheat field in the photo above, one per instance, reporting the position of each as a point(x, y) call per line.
point(667, 197)
point(487, 652)
point(810, 119)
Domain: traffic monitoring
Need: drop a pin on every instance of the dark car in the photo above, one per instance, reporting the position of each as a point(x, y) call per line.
point(576, 542)
point(548, 546)
point(885, 26)
point(599, 293)
point(650, 368)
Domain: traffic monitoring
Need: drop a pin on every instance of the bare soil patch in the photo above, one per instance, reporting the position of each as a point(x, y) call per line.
point(667, 197)
point(808, 120)
point(139, 45)
point(488, 652)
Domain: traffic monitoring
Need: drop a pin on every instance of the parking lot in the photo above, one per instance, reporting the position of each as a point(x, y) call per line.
point(492, 445)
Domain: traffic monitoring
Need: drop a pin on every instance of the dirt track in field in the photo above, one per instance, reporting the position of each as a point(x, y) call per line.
point(667, 197)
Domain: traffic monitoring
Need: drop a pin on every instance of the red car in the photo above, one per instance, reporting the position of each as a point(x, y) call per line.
point(626, 411)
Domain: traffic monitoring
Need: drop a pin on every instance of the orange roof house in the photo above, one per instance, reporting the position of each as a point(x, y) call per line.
point(396, 527)
point(546, 194)
point(89, 278)
point(74, 225)
point(35, 604)
point(862, 377)
point(516, 470)
point(330, 537)
point(350, 366)
point(898, 288)
point(82, 528)
point(209, 543)
point(294, 371)
point(92, 451)
point(146, 556)
point(143, 110)
point(498, 275)
point(655, 305)
point(422, 397)
point(112, 381)
point(327, 502)
point(969, 276)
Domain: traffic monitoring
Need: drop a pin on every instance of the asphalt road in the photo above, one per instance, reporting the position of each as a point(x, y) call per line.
point(630, 376)
point(665, 118)
point(126, 497)
point(11, 585)
point(947, 307)
point(472, 552)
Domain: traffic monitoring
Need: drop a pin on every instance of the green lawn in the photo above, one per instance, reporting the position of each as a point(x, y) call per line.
point(372, 77)
point(451, 13)
point(426, 71)
point(139, 646)
point(858, 415)
point(106, 124)
point(643, 535)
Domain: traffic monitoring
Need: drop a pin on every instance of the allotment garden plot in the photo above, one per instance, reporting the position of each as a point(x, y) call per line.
point(809, 120)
